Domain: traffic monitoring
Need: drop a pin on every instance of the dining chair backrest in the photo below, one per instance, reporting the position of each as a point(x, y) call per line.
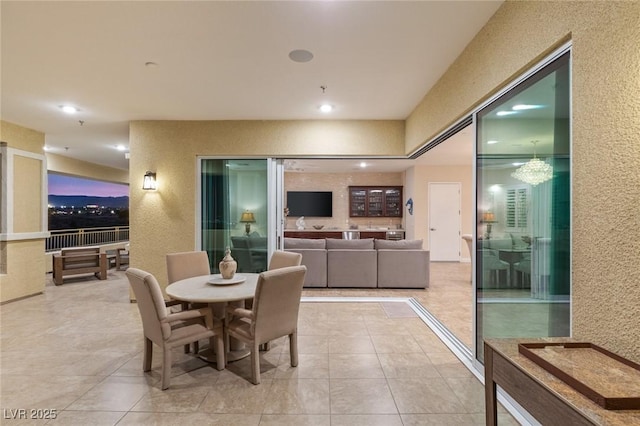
point(186, 265)
point(276, 302)
point(282, 259)
point(150, 304)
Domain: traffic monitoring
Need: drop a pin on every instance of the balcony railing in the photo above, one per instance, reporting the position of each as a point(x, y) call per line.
point(63, 238)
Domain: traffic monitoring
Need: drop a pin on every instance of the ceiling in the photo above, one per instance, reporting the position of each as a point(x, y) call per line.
point(219, 60)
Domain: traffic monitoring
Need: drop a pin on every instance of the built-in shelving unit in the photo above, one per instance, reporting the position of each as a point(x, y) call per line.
point(375, 201)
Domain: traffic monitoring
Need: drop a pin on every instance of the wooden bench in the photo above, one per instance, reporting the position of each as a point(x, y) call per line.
point(85, 260)
point(122, 258)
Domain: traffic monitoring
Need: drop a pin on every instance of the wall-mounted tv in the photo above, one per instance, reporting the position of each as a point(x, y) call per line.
point(310, 203)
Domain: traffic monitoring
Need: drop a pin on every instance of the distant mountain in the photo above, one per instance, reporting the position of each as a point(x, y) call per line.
point(83, 200)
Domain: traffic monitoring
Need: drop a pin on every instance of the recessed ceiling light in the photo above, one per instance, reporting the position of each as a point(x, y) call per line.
point(46, 148)
point(501, 113)
point(69, 109)
point(363, 164)
point(300, 55)
point(523, 107)
point(326, 108)
point(491, 142)
point(121, 148)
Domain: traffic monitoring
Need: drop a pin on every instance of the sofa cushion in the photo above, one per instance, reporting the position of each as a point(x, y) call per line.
point(364, 244)
point(403, 268)
point(352, 268)
point(304, 243)
point(399, 244)
point(316, 262)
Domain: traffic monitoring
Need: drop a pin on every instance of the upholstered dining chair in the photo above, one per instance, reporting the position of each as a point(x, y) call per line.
point(170, 330)
point(279, 259)
point(491, 264)
point(522, 269)
point(274, 314)
point(282, 259)
point(184, 265)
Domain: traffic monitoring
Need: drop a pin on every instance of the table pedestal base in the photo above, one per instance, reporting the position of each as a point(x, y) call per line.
point(231, 356)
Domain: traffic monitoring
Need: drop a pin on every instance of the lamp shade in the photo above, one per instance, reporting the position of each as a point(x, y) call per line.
point(488, 217)
point(247, 217)
point(149, 182)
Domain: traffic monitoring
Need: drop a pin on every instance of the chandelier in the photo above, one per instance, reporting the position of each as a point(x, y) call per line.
point(535, 171)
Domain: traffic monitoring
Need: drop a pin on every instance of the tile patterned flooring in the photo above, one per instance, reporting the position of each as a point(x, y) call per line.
point(77, 349)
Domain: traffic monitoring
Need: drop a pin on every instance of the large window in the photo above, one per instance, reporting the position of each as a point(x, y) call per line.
point(523, 193)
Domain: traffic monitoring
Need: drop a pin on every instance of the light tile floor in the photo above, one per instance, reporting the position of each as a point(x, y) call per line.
point(77, 349)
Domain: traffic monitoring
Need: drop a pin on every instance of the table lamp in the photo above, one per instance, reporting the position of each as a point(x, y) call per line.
point(488, 218)
point(247, 218)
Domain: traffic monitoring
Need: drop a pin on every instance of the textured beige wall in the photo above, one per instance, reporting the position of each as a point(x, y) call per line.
point(25, 269)
point(164, 221)
point(70, 166)
point(339, 183)
point(27, 194)
point(19, 137)
point(23, 260)
point(606, 148)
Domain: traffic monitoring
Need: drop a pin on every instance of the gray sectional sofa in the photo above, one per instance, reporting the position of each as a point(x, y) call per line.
point(365, 263)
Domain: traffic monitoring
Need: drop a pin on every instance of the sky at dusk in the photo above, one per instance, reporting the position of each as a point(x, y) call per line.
point(68, 185)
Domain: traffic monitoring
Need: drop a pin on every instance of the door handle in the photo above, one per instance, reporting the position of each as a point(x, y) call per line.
point(432, 229)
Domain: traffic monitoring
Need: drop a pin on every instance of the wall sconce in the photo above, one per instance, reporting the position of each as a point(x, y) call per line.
point(149, 183)
point(247, 218)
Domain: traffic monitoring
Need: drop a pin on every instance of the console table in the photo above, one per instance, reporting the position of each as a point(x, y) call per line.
point(543, 395)
point(313, 234)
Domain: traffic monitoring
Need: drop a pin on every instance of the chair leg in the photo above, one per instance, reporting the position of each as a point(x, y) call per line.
point(255, 364)
point(148, 354)
point(293, 348)
point(196, 348)
point(265, 346)
point(166, 367)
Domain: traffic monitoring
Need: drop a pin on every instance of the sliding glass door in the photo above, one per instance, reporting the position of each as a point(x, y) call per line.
point(523, 279)
point(236, 212)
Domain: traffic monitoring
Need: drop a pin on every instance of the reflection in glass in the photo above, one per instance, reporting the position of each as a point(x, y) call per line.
point(234, 212)
point(523, 195)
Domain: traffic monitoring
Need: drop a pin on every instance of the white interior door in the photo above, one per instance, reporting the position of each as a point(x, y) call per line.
point(444, 221)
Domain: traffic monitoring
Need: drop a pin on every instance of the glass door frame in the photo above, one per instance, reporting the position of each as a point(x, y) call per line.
point(520, 79)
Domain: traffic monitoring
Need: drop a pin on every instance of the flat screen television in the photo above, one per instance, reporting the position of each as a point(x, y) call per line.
point(310, 203)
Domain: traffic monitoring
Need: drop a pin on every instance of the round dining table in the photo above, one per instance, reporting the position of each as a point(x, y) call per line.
point(217, 292)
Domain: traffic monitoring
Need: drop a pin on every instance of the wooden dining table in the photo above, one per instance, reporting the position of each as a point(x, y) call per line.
point(217, 293)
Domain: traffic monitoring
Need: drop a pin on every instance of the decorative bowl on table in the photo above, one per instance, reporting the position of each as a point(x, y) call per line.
point(217, 279)
point(318, 227)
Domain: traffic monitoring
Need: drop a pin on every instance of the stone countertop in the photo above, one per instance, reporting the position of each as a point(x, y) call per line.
point(509, 349)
